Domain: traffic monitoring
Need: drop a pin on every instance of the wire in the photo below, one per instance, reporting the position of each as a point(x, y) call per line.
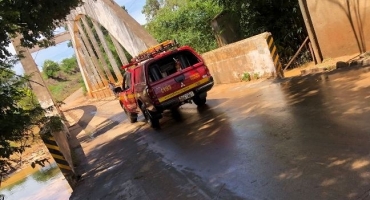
point(131, 5)
point(37, 54)
point(19, 76)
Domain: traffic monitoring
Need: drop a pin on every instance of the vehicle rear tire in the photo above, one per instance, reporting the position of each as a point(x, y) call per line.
point(150, 118)
point(132, 117)
point(199, 101)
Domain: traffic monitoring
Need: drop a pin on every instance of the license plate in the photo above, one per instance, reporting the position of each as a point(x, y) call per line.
point(186, 96)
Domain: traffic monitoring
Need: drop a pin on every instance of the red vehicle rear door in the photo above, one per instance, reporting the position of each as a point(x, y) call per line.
point(178, 84)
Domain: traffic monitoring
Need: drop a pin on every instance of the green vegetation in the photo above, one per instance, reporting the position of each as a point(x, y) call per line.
point(62, 79)
point(62, 89)
point(246, 76)
point(69, 65)
point(189, 22)
point(19, 112)
point(256, 76)
point(50, 69)
point(282, 18)
point(186, 21)
point(32, 19)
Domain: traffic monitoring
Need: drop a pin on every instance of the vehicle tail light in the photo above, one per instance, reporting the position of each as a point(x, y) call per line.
point(202, 68)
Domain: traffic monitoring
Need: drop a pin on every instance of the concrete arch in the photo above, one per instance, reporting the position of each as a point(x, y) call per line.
point(122, 28)
point(128, 32)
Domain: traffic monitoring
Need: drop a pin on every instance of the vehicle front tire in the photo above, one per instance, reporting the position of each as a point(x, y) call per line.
point(150, 118)
point(131, 116)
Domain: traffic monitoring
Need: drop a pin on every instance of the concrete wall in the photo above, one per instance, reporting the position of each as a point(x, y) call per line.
point(227, 64)
point(342, 27)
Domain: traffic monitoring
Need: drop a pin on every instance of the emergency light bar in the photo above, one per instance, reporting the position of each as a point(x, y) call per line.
point(151, 52)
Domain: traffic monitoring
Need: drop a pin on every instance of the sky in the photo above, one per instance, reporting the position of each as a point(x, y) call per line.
point(61, 51)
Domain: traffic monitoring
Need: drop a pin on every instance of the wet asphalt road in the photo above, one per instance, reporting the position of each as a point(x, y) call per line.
point(301, 138)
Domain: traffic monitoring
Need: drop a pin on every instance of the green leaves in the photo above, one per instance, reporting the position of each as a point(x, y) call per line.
point(50, 69)
point(280, 17)
point(33, 19)
point(69, 65)
point(19, 111)
point(186, 21)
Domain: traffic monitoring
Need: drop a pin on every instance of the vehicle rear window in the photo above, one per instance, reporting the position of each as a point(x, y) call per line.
point(171, 64)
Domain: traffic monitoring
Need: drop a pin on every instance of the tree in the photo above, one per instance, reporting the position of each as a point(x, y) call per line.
point(280, 17)
point(50, 69)
point(150, 9)
point(69, 65)
point(186, 21)
point(33, 20)
point(19, 112)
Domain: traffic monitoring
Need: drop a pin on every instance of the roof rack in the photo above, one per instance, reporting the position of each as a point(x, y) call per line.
point(151, 52)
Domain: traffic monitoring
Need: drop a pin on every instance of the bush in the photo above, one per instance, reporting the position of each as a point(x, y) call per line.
point(50, 68)
point(69, 65)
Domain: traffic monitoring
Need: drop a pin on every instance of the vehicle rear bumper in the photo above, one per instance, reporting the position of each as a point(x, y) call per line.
point(175, 102)
point(206, 87)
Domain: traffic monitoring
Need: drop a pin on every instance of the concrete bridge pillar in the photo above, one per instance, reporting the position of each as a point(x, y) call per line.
point(91, 71)
point(99, 75)
point(120, 51)
point(125, 33)
point(87, 69)
point(38, 84)
point(59, 148)
point(81, 63)
point(112, 61)
point(97, 49)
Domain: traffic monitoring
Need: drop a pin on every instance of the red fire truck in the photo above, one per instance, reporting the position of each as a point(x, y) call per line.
point(164, 77)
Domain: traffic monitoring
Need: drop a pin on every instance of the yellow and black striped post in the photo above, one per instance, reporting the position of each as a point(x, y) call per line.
point(275, 56)
point(59, 158)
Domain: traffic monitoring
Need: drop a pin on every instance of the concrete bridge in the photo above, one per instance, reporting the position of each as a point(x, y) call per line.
point(58, 38)
point(256, 55)
point(125, 33)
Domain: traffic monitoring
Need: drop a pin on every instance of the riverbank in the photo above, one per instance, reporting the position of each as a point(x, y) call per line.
point(37, 151)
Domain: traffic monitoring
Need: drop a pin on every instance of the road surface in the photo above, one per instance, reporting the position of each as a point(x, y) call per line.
point(299, 138)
